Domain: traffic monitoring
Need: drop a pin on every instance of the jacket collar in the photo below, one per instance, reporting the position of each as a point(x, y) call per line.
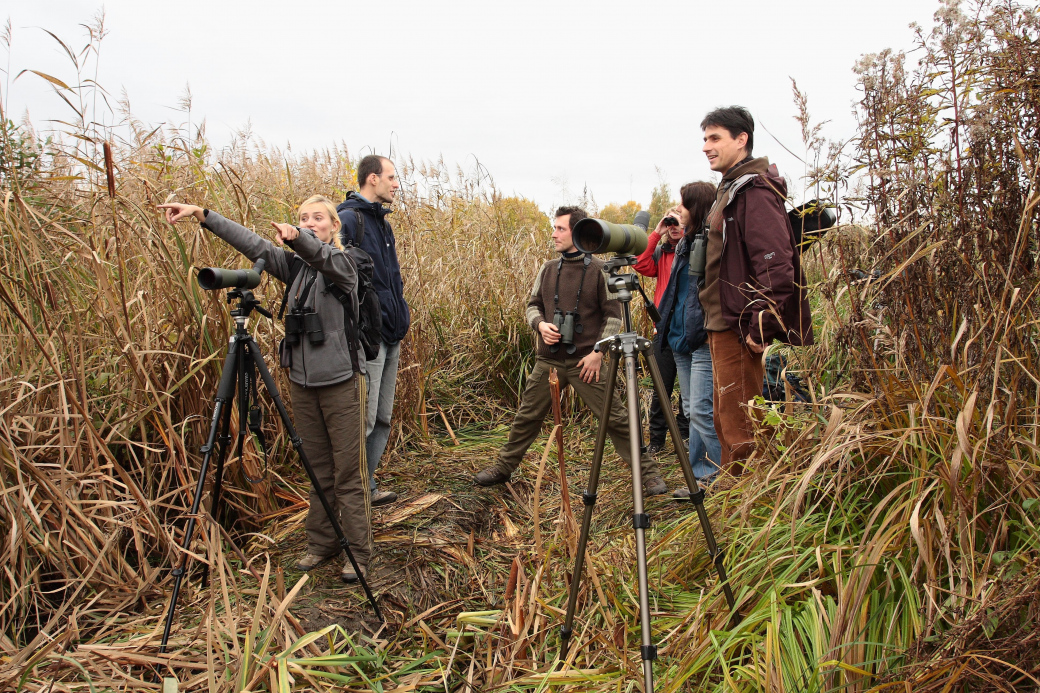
point(356, 201)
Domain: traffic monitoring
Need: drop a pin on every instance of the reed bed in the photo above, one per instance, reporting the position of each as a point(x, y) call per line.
point(885, 539)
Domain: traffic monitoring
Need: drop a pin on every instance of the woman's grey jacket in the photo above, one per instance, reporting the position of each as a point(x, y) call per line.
point(313, 365)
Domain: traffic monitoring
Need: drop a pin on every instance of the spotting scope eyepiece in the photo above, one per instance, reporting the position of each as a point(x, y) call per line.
point(214, 278)
point(599, 236)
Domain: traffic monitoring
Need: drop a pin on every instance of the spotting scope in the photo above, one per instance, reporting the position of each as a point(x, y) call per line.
point(213, 278)
point(598, 236)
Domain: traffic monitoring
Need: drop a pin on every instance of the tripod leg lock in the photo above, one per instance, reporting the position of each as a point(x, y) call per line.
point(565, 633)
point(588, 498)
point(178, 571)
point(717, 558)
point(641, 521)
point(205, 449)
point(698, 498)
point(649, 652)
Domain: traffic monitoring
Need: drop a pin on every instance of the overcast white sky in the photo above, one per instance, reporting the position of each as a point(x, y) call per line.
point(549, 96)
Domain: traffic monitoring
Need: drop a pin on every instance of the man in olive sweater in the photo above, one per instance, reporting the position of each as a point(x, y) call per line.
point(575, 284)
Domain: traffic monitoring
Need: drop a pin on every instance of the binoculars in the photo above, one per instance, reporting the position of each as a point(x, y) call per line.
point(567, 323)
point(298, 323)
point(699, 252)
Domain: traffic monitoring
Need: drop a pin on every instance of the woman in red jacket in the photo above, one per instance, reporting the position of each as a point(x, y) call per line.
point(656, 261)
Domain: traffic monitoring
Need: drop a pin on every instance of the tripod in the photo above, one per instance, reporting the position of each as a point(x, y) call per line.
point(627, 345)
point(240, 368)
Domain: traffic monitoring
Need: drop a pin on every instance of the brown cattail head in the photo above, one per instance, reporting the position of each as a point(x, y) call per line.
point(110, 171)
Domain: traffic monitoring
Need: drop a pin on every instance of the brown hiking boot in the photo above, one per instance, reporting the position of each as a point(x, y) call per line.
point(349, 576)
point(313, 560)
point(491, 477)
point(655, 486)
point(383, 497)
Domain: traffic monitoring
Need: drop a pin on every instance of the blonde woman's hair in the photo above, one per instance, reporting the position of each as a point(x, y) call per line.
point(330, 207)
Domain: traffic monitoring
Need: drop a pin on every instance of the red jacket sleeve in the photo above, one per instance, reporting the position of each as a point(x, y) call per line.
point(645, 264)
point(771, 256)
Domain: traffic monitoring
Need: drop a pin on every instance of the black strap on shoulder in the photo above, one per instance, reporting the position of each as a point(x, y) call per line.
point(581, 282)
point(349, 323)
point(295, 265)
point(359, 234)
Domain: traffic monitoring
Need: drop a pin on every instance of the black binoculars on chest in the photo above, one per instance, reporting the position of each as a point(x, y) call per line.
point(300, 322)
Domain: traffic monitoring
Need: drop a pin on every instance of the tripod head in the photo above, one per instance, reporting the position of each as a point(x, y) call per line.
point(624, 283)
point(247, 304)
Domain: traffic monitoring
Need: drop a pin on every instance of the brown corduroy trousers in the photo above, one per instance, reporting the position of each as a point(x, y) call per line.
point(737, 374)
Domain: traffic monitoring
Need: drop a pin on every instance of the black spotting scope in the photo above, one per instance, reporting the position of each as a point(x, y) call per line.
point(598, 236)
point(213, 278)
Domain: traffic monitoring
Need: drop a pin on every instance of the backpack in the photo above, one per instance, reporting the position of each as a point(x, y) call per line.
point(809, 222)
point(370, 312)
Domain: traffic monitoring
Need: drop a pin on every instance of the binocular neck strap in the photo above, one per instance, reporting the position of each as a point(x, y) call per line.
point(305, 290)
point(581, 284)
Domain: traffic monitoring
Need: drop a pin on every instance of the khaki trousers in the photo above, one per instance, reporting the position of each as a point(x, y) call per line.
point(737, 374)
point(537, 401)
point(330, 422)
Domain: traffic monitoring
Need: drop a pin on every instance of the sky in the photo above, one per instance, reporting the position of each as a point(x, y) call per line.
point(551, 98)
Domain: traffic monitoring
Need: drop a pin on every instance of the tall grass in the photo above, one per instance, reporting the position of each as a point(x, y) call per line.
point(886, 539)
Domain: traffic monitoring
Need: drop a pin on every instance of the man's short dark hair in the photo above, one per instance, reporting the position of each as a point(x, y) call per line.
point(373, 163)
point(735, 119)
point(576, 213)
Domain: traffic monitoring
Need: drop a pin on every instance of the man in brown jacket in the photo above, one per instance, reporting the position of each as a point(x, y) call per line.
point(754, 287)
point(573, 284)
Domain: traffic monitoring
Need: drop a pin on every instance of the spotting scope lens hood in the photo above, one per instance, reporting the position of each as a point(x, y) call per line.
point(599, 236)
point(214, 278)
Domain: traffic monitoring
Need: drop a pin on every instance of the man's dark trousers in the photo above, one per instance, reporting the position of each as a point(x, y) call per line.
point(658, 425)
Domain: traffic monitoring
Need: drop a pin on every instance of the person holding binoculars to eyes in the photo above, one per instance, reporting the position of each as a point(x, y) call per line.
point(570, 309)
point(656, 261)
point(324, 371)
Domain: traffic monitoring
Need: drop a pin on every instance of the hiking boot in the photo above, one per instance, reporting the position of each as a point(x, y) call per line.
point(654, 449)
point(313, 560)
point(655, 486)
point(383, 497)
point(349, 576)
point(491, 477)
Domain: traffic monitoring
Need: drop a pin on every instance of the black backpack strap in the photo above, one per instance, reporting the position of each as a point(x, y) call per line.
point(295, 265)
point(349, 323)
point(359, 234)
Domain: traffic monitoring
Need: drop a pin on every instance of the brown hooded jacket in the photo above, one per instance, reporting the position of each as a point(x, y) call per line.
point(754, 284)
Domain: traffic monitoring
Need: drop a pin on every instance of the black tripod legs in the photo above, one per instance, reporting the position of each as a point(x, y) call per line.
point(243, 355)
point(221, 419)
point(297, 443)
point(696, 492)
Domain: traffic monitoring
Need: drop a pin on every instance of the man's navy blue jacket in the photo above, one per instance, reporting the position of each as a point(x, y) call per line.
point(379, 242)
point(695, 334)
